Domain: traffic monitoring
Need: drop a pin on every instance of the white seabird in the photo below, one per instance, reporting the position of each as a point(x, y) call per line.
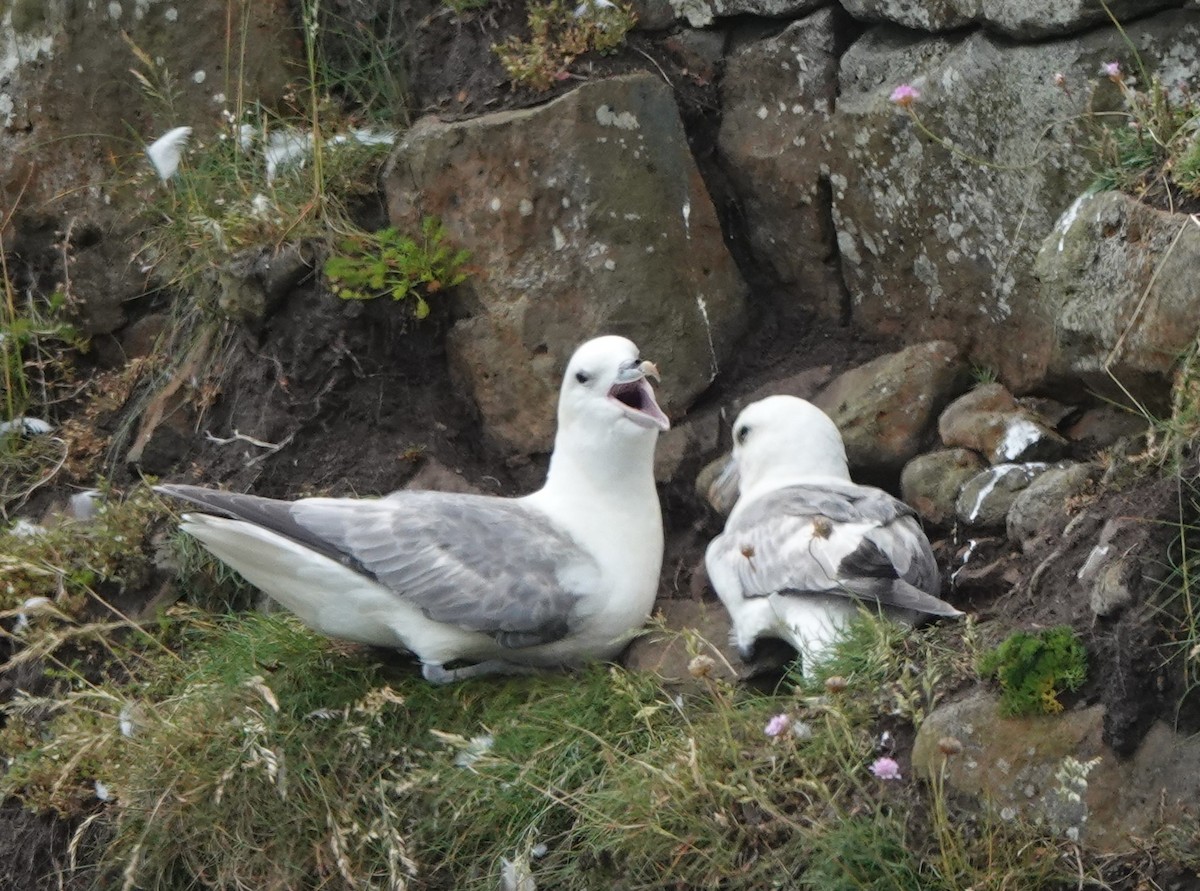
point(555, 578)
point(804, 546)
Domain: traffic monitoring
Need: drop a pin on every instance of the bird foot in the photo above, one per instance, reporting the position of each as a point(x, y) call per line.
point(436, 673)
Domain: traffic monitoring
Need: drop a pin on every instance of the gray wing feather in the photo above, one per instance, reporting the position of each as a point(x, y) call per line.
point(811, 539)
point(485, 564)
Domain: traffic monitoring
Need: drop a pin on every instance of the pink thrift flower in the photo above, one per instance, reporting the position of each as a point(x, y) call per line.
point(777, 725)
point(1111, 70)
point(905, 95)
point(886, 769)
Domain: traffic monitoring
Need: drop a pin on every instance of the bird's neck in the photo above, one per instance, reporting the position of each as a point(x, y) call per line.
point(601, 465)
point(754, 489)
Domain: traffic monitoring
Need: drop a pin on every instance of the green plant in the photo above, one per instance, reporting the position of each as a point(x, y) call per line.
point(1033, 669)
point(1152, 140)
point(388, 263)
point(983, 375)
point(37, 346)
point(557, 36)
point(365, 63)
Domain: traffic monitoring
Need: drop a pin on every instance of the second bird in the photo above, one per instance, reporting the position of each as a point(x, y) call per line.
point(805, 547)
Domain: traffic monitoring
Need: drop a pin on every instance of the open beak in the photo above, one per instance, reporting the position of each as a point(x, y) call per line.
point(632, 391)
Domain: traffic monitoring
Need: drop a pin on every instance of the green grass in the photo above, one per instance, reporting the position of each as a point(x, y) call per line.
point(261, 755)
point(1151, 139)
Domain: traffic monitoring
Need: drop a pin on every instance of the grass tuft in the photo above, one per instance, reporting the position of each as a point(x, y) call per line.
point(254, 753)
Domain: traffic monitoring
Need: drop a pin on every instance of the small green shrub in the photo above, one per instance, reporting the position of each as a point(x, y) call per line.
point(1034, 668)
point(557, 36)
point(388, 263)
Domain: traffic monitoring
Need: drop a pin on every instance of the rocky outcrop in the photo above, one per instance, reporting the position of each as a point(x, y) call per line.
point(1120, 279)
point(1057, 769)
point(584, 216)
point(931, 482)
point(701, 13)
point(1020, 19)
point(989, 420)
point(68, 101)
point(886, 407)
point(939, 241)
point(779, 94)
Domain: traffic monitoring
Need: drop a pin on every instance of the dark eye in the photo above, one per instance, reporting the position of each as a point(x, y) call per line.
point(582, 376)
point(742, 433)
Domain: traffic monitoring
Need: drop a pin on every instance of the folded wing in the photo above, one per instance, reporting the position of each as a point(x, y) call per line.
point(836, 538)
point(491, 565)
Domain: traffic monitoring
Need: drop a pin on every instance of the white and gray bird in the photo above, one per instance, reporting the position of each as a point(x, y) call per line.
point(556, 578)
point(804, 547)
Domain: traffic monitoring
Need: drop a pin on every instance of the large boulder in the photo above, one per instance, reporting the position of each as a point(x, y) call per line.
point(1022, 19)
point(938, 242)
point(777, 95)
point(1120, 279)
point(1058, 769)
point(989, 420)
point(887, 407)
point(68, 102)
point(74, 121)
point(584, 216)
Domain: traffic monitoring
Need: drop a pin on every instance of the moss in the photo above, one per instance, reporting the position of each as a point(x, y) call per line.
point(1033, 669)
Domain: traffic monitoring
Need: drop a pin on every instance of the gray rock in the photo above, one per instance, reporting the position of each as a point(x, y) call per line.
point(587, 215)
point(1046, 499)
point(986, 498)
point(67, 100)
point(1103, 427)
point(989, 420)
point(700, 53)
point(701, 13)
point(653, 15)
point(1112, 572)
point(1018, 767)
point(685, 442)
point(1120, 279)
point(931, 482)
point(778, 95)
point(886, 407)
point(804, 384)
point(1021, 19)
point(941, 244)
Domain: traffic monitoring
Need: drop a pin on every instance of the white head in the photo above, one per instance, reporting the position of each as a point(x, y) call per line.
point(780, 441)
point(605, 387)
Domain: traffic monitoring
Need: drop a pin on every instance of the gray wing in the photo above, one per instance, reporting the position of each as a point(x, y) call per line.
point(481, 563)
point(845, 539)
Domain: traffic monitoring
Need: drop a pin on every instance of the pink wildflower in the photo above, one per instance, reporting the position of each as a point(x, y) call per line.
point(777, 725)
point(1111, 70)
point(886, 769)
point(905, 95)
